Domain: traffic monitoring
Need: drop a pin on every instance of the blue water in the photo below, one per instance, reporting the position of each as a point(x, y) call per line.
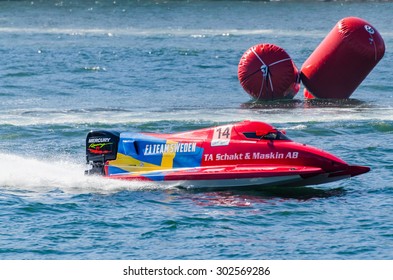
point(166, 66)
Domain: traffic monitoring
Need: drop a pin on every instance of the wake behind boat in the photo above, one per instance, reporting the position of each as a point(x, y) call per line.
point(239, 155)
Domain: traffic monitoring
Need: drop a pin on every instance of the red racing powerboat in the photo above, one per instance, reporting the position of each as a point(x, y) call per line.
point(244, 154)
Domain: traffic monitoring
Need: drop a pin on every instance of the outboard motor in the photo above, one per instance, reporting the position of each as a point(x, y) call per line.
point(100, 147)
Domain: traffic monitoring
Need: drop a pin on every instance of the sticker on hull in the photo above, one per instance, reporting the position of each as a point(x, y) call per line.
point(221, 136)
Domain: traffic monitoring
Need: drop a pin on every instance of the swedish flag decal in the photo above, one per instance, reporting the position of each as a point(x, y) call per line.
point(142, 154)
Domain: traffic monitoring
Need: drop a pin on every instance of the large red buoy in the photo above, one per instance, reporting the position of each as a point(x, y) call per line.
point(342, 60)
point(266, 72)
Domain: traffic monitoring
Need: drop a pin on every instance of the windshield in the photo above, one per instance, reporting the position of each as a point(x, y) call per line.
point(271, 135)
point(275, 135)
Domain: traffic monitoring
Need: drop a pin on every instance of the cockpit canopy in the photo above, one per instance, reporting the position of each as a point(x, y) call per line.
point(260, 130)
point(271, 135)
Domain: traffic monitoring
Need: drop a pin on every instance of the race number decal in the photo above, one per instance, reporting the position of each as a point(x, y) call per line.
point(221, 136)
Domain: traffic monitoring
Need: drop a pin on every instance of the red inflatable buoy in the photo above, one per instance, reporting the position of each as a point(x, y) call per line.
point(266, 72)
point(342, 60)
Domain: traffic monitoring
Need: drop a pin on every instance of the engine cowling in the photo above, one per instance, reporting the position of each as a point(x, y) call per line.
point(100, 147)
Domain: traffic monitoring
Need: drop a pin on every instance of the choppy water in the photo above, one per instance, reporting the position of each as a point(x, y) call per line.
point(165, 66)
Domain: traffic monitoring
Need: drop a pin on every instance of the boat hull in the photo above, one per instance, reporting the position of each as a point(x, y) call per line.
point(229, 180)
point(245, 154)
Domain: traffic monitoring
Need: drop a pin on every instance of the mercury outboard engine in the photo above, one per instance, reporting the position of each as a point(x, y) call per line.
point(100, 147)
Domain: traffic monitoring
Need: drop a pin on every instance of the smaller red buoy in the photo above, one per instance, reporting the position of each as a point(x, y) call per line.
point(267, 72)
